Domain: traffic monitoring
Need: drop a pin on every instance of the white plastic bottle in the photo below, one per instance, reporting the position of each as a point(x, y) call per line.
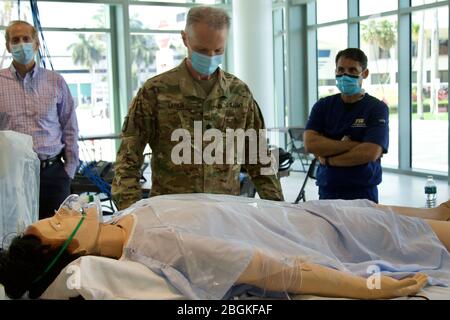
point(430, 193)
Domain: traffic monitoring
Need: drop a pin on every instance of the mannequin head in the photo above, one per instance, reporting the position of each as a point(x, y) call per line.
point(33, 259)
point(25, 265)
point(24, 261)
point(56, 230)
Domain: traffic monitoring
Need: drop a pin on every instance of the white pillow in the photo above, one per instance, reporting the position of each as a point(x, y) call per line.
point(97, 278)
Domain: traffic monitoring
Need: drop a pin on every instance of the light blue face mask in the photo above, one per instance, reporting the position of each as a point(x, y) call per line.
point(204, 64)
point(23, 53)
point(348, 84)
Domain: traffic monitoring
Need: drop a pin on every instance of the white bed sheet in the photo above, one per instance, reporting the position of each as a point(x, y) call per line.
point(102, 278)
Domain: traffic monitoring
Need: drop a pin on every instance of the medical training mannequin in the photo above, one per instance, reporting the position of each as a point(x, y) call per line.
point(109, 240)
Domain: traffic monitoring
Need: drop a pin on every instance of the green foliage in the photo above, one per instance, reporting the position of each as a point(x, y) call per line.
point(143, 48)
point(430, 116)
point(380, 32)
point(88, 51)
point(443, 106)
point(415, 28)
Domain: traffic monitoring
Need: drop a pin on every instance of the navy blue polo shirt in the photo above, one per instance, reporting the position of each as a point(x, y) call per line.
point(366, 120)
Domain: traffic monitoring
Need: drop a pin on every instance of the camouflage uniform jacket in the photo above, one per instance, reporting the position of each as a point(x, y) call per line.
point(171, 101)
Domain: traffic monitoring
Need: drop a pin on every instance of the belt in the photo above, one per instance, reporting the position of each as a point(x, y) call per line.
point(49, 162)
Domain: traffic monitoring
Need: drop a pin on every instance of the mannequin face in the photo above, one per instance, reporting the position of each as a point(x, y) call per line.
point(57, 229)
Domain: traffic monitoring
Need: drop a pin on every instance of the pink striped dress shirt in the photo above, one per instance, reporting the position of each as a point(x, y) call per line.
point(41, 106)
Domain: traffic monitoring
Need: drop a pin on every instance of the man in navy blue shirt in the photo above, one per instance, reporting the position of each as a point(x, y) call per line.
point(348, 133)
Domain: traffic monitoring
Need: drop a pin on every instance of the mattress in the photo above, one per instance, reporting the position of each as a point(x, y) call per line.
point(102, 278)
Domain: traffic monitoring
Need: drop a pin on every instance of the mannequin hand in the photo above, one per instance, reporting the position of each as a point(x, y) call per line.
point(392, 288)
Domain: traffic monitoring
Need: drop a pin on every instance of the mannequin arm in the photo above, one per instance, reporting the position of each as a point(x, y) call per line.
point(309, 278)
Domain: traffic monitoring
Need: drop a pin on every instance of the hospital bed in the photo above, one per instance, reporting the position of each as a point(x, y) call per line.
point(93, 277)
point(99, 278)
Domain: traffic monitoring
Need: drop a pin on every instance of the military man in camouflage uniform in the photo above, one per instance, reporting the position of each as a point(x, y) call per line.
point(196, 90)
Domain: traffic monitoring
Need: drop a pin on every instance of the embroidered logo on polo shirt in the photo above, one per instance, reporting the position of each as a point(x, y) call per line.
point(359, 123)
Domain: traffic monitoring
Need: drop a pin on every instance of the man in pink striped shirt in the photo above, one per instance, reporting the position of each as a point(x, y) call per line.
point(37, 102)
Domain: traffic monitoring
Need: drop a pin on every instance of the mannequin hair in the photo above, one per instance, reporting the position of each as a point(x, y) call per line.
point(25, 261)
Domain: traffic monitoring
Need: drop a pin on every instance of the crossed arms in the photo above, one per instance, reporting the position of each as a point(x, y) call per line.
point(341, 153)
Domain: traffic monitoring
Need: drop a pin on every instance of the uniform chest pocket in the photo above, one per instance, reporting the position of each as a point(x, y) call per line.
point(235, 115)
point(177, 116)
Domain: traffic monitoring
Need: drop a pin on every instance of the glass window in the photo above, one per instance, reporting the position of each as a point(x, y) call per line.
point(422, 2)
point(5, 57)
point(157, 18)
point(380, 77)
point(430, 89)
point(82, 59)
point(70, 15)
point(279, 65)
point(73, 15)
point(330, 40)
point(9, 10)
point(152, 54)
point(189, 1)
point(379, 42)
point(368, 7)
point(443, 47)
point(331, 10)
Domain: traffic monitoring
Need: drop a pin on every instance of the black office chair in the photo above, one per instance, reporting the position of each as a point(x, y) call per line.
point(311, 174)
point(296, 145)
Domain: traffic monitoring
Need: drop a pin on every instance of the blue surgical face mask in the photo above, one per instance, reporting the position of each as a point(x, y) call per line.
point(204, 64)
point(23, 53)
point(348, 84)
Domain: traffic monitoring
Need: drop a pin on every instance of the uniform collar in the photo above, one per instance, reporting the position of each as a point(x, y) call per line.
point(188, 86)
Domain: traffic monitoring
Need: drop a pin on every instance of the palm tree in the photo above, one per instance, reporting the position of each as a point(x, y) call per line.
point(379, 34)
point(143, 48)
point(88, 52)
